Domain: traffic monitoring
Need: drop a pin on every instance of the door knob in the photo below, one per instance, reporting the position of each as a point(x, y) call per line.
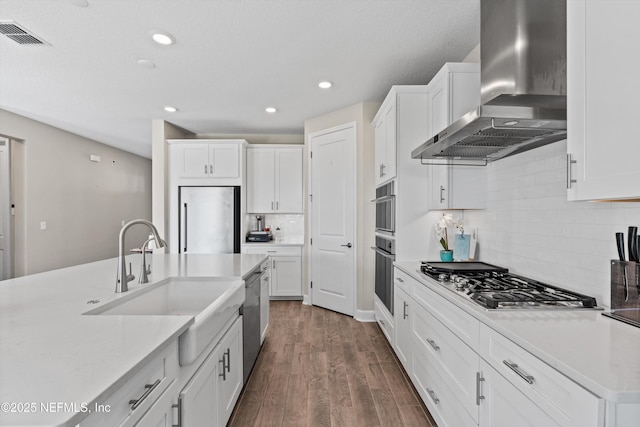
point(348, 245)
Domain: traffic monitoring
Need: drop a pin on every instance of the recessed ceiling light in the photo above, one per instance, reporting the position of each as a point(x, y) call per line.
point(79, 3)
point(325, 84)
point(271, 110)
point(146, 63)
point(162, 37)
point(170, 109)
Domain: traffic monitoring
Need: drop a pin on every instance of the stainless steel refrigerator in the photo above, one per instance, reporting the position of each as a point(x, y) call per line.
point(209, 220)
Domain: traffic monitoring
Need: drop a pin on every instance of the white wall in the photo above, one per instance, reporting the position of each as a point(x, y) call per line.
point(82, 202)
point(362, 114)
point(531, 228)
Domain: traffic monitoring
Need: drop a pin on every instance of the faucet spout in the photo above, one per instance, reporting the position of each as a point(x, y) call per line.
point(122, 278)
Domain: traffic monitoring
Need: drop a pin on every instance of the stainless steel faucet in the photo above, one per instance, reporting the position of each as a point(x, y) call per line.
point(122, 278)
point(145, 270)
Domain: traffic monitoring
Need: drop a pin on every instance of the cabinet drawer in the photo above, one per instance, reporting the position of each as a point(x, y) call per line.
point(556, 394)
point(440, 400)
point(153, 378)
point(272, 250)
point(384, 319)
point(457, 363)
point(404, 281)
point(463, 325)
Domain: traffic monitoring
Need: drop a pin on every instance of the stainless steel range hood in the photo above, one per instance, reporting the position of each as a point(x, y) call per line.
point(523, 85)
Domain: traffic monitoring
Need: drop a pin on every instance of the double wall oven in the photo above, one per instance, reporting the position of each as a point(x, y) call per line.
point(385, 244)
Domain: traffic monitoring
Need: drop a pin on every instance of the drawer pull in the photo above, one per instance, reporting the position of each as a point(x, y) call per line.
point(223, 372)
point(433, 344)
point(514, 367)
point(399, 279)
point(228, 355)
point(382, 322)
point(150, 387)
point(433, 396)
point(404, 314)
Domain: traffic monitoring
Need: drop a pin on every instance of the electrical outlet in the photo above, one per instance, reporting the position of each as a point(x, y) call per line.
point(43, 225)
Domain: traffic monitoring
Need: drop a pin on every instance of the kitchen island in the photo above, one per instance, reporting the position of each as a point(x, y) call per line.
point(57, 364)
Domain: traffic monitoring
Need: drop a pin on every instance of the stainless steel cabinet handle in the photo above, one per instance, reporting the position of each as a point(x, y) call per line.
point(441, 194)
point(223, 372)
point(433, 344)
point(150, 387)
point(399, 279)
point(570, 162)
point(271, 205)
point(382, 166)
point(479, 396)
point(205, 169)
point(382, 322)
point(277, 205)
point(348, 245)
point(211, 169)
point(228, 355)
point(433, 396)
point(179, 408)
point(514, 367)
point(404, 310)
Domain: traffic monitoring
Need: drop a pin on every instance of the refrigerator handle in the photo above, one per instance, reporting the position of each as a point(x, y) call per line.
point(184, 248)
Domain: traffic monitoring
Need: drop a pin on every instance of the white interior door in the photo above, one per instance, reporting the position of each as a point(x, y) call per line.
point(5, 212)
point(333, 218)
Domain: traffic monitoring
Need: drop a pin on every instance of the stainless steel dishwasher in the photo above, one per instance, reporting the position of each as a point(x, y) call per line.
point(251, 322)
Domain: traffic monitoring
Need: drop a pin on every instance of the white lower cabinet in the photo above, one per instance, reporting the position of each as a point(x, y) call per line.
point(467, 374)
point(209, 397)
point(128, 405)
point(265, 279)
point(286, 268)
point(384, 319)
point(161, 413)
point(404, 317)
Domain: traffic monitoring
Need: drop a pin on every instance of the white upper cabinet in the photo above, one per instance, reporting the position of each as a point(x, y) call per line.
point(385, 140)
point(274, 179)
point(206, 159)
point(453, 92)
point(603, 99)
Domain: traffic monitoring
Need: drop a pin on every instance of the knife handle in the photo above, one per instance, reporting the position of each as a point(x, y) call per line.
point(633, 244)
point(620, 244)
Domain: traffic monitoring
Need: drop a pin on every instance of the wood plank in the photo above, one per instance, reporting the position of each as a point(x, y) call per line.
point(246, 411)
point(386, 407)
point(402, 391)
point(319, 412)
point(295, 410)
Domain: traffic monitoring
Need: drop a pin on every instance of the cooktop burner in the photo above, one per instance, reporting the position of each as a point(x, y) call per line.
point(494, 287)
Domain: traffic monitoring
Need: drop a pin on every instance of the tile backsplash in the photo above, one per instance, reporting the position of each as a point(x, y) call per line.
point(532, 229)
point(291, 226)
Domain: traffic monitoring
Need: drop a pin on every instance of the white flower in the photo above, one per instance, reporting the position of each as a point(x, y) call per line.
point(441, 226)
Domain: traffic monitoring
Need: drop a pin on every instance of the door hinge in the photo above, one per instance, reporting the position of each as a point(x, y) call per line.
point(311, 154)
point(311, 198)
point(311, 285)
point(311, 241)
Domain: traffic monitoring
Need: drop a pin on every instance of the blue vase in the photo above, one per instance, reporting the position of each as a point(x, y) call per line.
point(446, 256)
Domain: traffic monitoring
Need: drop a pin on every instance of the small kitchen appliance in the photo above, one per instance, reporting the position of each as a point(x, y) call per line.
point(493, 287)
point(259, 236)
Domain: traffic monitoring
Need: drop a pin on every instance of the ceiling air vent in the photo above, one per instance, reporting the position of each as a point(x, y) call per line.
point(18, 33)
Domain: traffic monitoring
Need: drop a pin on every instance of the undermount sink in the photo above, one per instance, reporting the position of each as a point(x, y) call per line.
point(213, 302)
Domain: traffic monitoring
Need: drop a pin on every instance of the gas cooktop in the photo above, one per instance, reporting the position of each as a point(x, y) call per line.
point(494, 287)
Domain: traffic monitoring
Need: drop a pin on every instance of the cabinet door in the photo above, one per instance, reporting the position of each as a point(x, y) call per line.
point(389, 166)
point(286, 276)
point(439, 186)
point(288, 180)
point(230, 377)
point(193, 160)
point(260, 180)
point(224, 160)
point(198, 398)
point(380, 137)
point(403, 317)
point(602, 88)
point(503, 405)
point(161, 413)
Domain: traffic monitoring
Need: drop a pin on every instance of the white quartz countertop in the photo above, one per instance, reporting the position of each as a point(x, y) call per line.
point(599, 353)
point(51, 352)
point(295, 242)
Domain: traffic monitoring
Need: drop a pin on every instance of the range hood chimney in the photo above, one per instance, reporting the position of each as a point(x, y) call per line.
point(523, 53)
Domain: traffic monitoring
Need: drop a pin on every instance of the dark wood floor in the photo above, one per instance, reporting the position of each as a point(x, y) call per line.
point(320, 368)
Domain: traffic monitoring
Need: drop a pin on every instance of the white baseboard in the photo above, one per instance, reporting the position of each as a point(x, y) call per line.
point(306, 300)
point(365, 316)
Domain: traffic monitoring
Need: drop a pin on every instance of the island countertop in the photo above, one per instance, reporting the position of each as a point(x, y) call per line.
point(51, 353)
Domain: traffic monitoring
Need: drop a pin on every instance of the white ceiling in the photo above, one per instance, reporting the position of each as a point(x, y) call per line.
point(232, 59)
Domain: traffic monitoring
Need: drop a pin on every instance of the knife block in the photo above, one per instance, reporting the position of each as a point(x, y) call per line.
point(625, 306)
